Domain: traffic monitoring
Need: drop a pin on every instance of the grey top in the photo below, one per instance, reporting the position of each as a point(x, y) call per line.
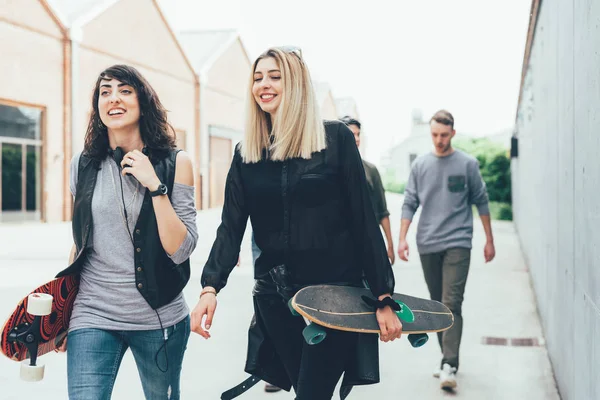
point(446, 188)
point(108, 297)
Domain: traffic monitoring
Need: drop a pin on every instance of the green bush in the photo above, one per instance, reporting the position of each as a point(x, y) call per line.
point(390, 184)
point(494, 164)
point(505, 212)
point(394, 187)
point(501, 211)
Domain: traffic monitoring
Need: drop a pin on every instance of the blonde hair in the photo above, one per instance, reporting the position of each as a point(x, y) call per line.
point(297, 128)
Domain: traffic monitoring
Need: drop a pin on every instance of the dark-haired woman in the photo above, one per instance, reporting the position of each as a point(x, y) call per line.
point(134, 228)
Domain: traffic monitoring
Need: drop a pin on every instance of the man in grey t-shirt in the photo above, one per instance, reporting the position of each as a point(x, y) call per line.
point(446, 184)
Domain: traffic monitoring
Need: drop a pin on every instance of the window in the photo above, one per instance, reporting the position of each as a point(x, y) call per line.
point(20, 163)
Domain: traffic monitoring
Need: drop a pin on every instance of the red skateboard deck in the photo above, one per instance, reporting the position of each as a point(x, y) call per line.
point(52, 328)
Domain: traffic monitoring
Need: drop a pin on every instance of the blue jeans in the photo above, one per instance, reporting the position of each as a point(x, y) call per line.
point(94, 357)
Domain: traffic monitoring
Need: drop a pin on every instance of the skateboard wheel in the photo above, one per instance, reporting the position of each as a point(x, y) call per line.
point(405, 314)
point(314, 333)
point(39, 304)
point(32, 373)
point(418, 339)
point(292, 309)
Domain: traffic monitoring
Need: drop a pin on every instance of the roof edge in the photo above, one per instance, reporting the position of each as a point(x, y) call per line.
point(93, 13)
point(533, 18)
point(177, 43)
point(55, 17)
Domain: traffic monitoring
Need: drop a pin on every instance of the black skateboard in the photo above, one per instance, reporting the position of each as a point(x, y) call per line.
point(351, 309)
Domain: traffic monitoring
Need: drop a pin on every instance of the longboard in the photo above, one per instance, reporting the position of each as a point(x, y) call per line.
point(39, 324)
point(344, 308)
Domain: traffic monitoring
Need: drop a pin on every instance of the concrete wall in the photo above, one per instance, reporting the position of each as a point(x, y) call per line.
point(146, 43)
point(555, 188)
point(31, 74)
point(221, 153)
point(230, 74)
point(223, 101)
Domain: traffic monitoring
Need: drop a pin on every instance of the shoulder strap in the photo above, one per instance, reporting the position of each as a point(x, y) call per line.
point(171, 176)
point(240, 389)
point(84, 160)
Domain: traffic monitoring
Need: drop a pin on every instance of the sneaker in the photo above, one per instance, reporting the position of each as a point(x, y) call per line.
point(271, 388)
point(448, 377)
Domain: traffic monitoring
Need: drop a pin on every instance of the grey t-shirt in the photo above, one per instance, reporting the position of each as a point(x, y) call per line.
point(108, 297)
point(446, 188)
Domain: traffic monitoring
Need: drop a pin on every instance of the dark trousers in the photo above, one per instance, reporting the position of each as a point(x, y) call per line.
point(313, 370)
point(446, 276)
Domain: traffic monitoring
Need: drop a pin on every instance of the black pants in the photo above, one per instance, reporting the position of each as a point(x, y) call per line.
point(313, 370)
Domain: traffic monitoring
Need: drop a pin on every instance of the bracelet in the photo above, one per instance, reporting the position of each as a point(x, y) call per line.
point(204, 291)
point(377, 304)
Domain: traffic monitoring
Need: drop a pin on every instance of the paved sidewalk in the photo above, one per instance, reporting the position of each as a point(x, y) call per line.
point(499, 302)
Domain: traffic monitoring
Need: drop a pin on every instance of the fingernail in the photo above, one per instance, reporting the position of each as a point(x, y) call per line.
point(208, 326)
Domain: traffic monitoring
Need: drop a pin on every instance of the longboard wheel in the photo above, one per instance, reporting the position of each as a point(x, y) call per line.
point(405, 314)
point(32, 373)
point(39, 304)
point(418, 339)
point(314, 333)
point(292, 309)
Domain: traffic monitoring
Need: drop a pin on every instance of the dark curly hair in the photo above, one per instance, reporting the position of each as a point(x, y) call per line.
point(348, 120)
point(157, 134)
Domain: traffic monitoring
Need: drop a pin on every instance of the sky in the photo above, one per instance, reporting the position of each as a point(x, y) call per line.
point(391, 56)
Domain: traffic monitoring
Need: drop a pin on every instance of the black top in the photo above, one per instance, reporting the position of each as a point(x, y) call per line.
point(315, 216)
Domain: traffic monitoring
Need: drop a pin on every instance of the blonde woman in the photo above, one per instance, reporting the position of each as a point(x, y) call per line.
point(302, 183)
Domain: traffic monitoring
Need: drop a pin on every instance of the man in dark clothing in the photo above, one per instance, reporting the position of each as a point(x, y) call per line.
point(375, 190)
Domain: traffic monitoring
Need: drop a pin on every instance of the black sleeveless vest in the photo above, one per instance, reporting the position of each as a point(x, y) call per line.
point(157, 278)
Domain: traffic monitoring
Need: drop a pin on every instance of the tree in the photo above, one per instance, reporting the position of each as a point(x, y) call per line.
point(494, 164)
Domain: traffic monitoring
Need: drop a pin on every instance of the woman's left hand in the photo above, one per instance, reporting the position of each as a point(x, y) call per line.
point(389, 323)
point(138, 164)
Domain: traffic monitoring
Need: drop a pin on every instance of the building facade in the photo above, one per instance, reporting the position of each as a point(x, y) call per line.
point(34, 124)
point(555, 171)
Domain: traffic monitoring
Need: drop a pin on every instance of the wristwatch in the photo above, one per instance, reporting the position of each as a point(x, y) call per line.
point(162, 190)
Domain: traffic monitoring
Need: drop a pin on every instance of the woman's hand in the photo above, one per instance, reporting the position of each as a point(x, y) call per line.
point(206, 306)
point(138, 164)
point(63, 346)
point(389, 323)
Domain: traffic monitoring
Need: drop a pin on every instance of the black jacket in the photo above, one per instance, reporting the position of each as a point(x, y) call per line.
point(313, 216)
point(158, 279)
